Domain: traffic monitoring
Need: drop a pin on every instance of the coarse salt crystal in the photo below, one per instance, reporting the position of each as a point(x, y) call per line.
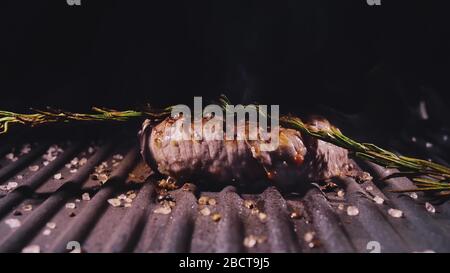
point(378, 200)
point(430, 208)
point(118, 157)
point(352, 211)
point(85, 196)
point(309, 236)
point(25, 149)
point(58, 176)
point(250, 241)
point(27, 208)
point(47, 232)
point(395, 213)
point(70, 206)
point(34, 168)
point(13, 223)
point(413, 195)
point(163, 210)
point(74, 161)
point(114, 202)
point(83, 161)
point(31, 249)
point(205, 211)
point(11, 185)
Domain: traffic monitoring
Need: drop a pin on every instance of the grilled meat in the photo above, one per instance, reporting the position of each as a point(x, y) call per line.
point(296, 159)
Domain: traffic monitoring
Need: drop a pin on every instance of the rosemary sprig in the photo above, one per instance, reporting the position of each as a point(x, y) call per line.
point(426, 175)
point(52, 116)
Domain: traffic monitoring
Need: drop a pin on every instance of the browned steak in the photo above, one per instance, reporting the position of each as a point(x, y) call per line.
point(324, 160)
point(297, 158)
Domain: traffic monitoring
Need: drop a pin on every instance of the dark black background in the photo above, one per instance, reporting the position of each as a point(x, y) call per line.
point(117, 53)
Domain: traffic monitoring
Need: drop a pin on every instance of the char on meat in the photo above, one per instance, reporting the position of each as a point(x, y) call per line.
point(298, 158)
